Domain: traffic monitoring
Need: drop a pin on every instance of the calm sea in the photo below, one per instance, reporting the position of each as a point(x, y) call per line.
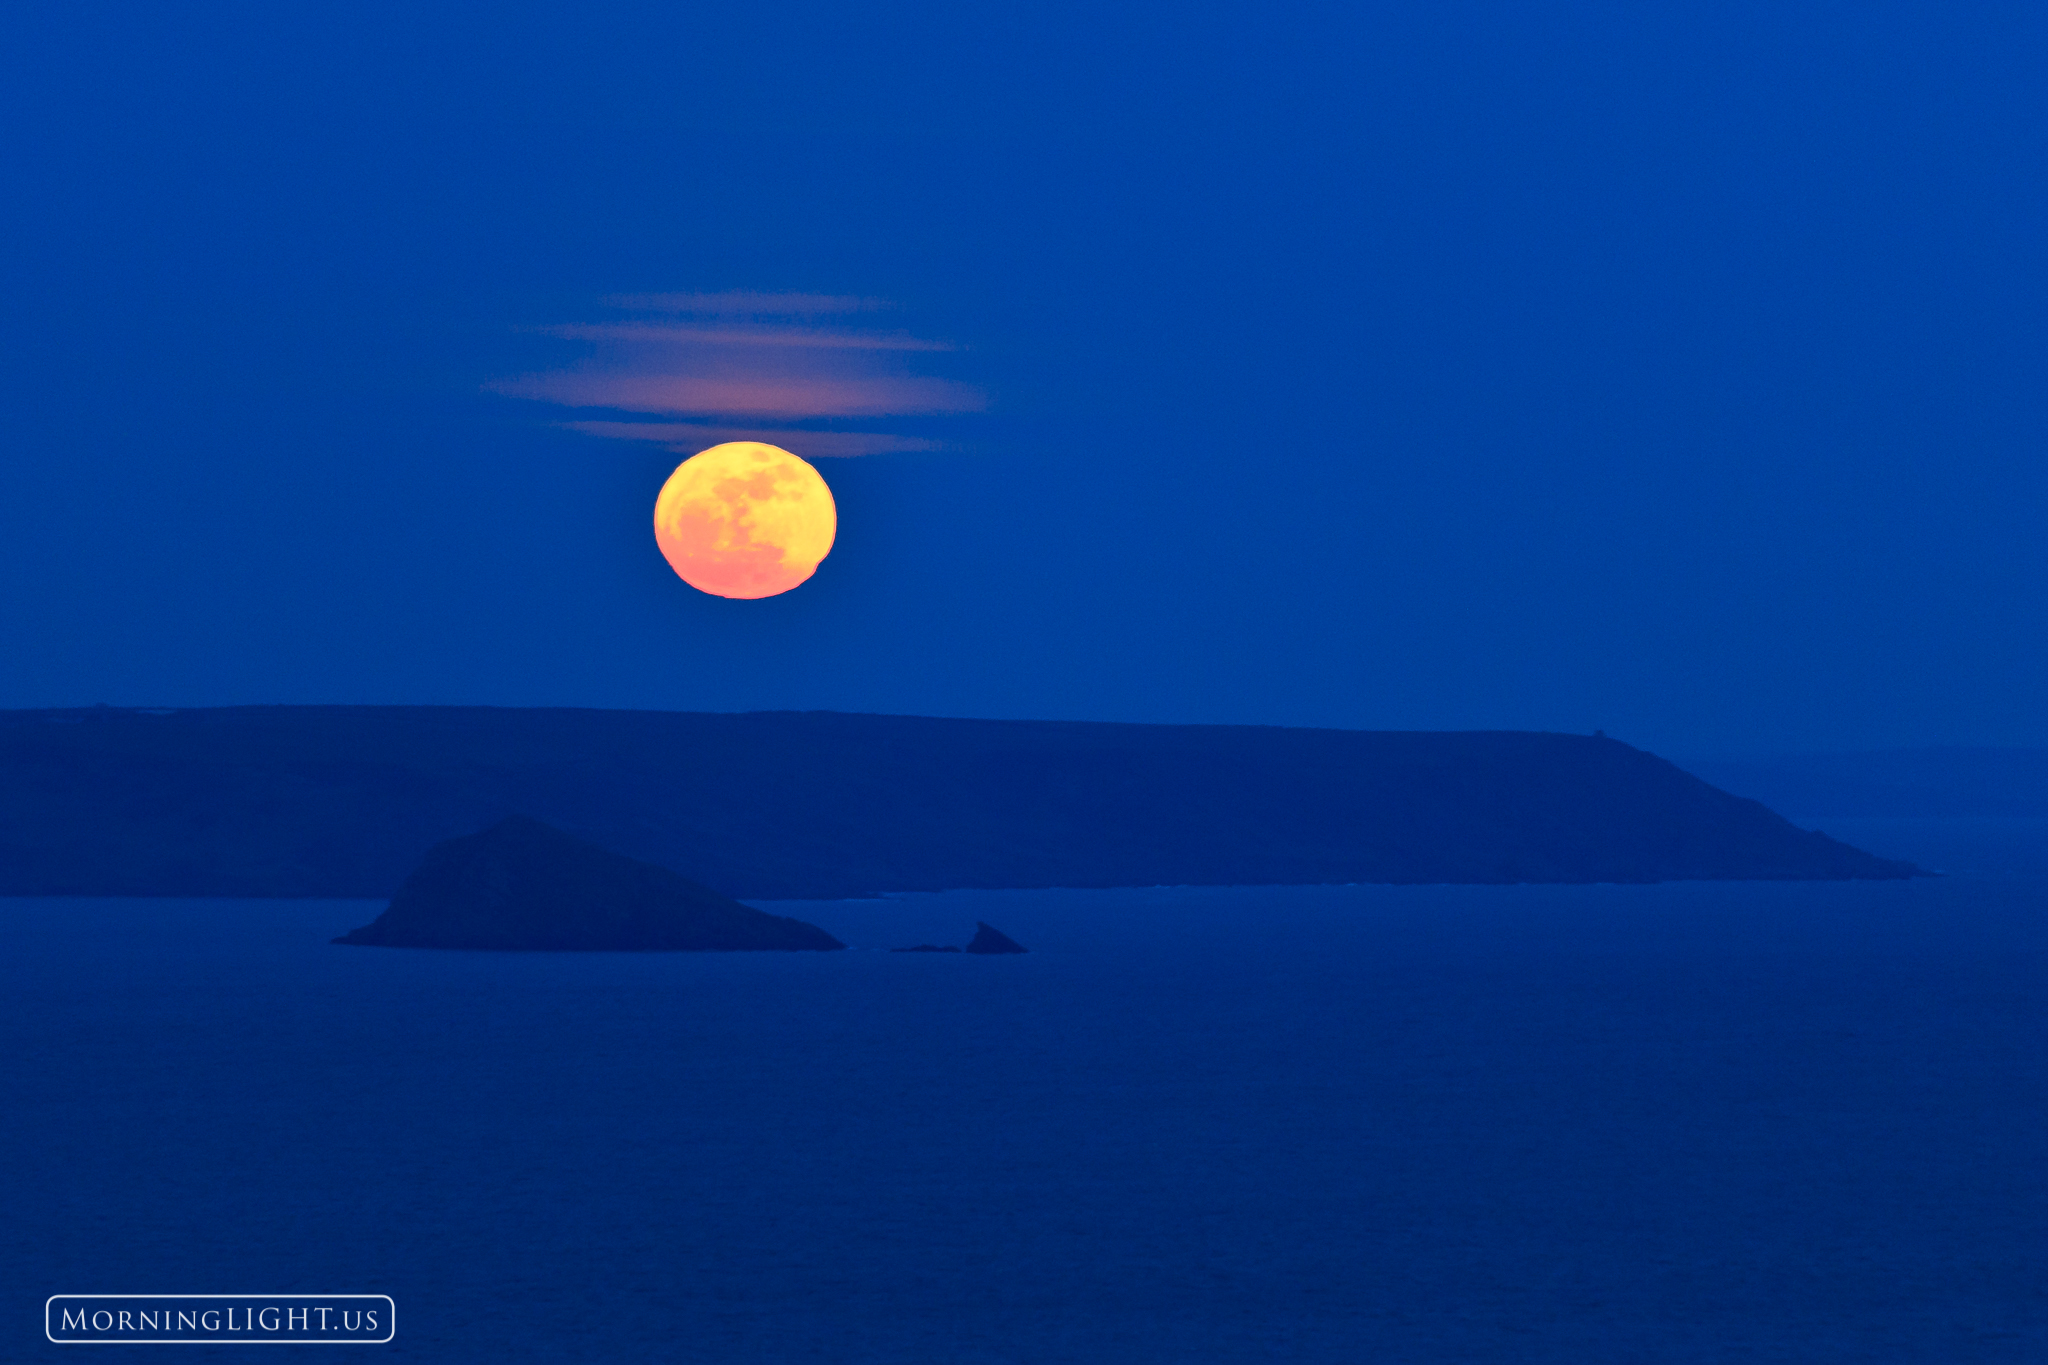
point(1705, 1122)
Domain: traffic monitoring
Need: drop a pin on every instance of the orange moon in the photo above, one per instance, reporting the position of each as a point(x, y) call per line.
point(744, 519)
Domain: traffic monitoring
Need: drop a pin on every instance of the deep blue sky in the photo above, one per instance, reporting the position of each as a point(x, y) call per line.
point(1672, 369)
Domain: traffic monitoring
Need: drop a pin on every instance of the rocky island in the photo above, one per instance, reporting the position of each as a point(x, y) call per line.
point(522, 885)
point(988, 939)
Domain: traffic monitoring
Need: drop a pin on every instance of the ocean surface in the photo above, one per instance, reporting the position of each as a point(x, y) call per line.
point(1722, 1122)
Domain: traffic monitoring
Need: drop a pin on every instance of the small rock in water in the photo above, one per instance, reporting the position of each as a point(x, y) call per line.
point(988, 940)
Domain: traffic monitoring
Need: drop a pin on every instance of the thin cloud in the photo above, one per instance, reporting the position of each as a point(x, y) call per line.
point(750, 363)
point(740, 303)
point(690, 437)
point(650, 333)
point(785, 396)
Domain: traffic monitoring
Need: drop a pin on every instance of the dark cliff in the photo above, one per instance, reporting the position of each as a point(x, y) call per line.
point(344, 801)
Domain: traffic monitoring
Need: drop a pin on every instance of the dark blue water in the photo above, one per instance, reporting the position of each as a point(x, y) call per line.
point(1733, 1122)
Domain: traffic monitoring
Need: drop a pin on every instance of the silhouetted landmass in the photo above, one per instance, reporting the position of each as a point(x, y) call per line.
point(991, 940)
point(1950, 783)
point(522, 885)
point(926, 948)
point(344, 801)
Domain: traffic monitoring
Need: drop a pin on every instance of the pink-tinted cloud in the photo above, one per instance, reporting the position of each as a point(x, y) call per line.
point(649, 333)
point(689, 438)
point(729, 395)
point(742, 303)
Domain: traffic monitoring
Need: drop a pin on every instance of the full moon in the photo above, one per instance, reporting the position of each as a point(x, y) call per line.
point(744, 519)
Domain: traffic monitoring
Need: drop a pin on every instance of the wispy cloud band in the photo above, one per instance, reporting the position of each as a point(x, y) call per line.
point(692, 437)
point(791, 397)
point(741, 303)
point(656, 334)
